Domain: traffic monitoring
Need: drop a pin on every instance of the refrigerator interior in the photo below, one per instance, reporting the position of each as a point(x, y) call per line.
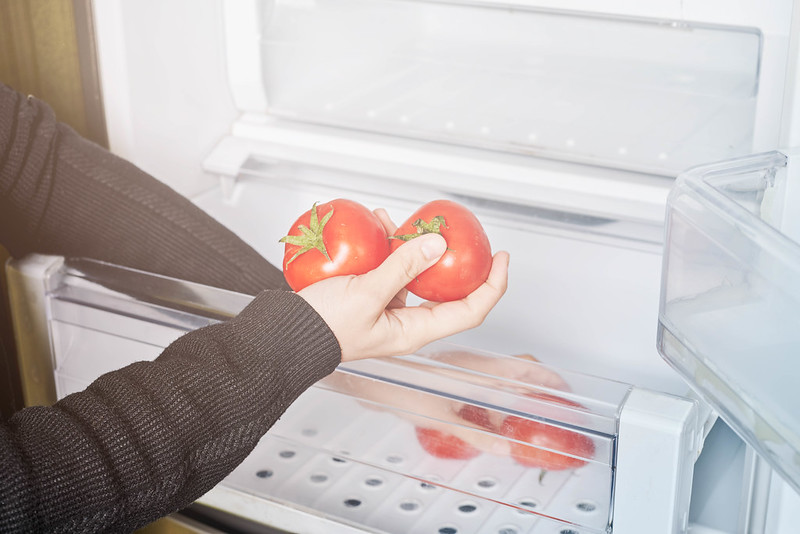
point(562, 127)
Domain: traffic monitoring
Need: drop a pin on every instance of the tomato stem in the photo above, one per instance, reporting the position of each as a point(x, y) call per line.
point(423, 227)
point(311, 237)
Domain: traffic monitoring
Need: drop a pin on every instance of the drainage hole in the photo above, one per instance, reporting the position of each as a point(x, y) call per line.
point(448, 530)
point(467, 508)
point(394, 459)
point(586, 506)
point(338, 460)
point(286, 454)
point(373, 482)
point(486, 483)
point(309, 432)
point(427, 486)
point(264, 473)
point(352, 503)
point(508, 530)
point(319, 478)
point(568, 531)
point(409, 506)
point(530, 504)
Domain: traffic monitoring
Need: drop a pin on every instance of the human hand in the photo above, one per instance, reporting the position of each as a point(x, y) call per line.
point(368, 314)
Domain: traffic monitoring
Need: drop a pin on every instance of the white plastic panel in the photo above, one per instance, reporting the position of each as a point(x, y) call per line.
point(658, 445)
point(356, 161)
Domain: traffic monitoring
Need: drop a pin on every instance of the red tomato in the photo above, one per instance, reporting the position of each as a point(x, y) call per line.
point(444, 445)
point(340, 237)
point(534, 434)
point(465, 264)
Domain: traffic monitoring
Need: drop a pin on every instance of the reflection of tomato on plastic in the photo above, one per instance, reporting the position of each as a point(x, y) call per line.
point(445, 445)
point(476, 415)
point(465, 264)
point(535, 437)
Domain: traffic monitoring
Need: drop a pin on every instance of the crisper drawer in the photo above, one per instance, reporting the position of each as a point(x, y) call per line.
point(448, 440)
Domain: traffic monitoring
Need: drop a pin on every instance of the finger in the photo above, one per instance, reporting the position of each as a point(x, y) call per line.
point(425, 324)
point(386, 221)
point(474, 308)
point(489, 293)
point(390, 227)
point(399, 300)
point(402, 266)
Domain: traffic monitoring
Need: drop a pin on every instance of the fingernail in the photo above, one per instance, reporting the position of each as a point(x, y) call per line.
point(433, 247)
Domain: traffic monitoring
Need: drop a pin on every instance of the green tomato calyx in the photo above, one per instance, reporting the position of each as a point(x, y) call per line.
point(311, 237)
point(433, 227)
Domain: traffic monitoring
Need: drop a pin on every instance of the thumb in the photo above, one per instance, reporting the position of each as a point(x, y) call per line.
point(403, 265)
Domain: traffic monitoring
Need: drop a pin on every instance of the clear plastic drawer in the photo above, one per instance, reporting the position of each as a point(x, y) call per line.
point(447, 440)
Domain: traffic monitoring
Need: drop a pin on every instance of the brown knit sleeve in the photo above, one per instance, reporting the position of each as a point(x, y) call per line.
point(64, 195)
point(147, 440)
point(150, 438)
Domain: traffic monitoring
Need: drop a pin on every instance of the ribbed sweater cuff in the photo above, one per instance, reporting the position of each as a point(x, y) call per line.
point(281, 322)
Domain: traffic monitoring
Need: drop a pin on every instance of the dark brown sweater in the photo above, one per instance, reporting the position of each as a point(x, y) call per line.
point(146, 440)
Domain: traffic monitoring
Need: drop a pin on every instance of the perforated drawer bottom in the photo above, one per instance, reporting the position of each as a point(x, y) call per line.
point(295, 465)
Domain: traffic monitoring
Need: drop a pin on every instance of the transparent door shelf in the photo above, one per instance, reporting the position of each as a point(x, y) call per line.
point(729, 319)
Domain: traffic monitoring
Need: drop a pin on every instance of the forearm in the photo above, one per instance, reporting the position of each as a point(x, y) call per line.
point(148, 439)
point(61, 194)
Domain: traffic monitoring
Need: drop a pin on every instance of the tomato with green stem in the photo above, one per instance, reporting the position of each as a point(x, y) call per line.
point(467, 261)
point(340, 237)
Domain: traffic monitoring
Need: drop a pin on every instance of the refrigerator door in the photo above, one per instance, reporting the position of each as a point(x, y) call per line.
point(729, 318)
